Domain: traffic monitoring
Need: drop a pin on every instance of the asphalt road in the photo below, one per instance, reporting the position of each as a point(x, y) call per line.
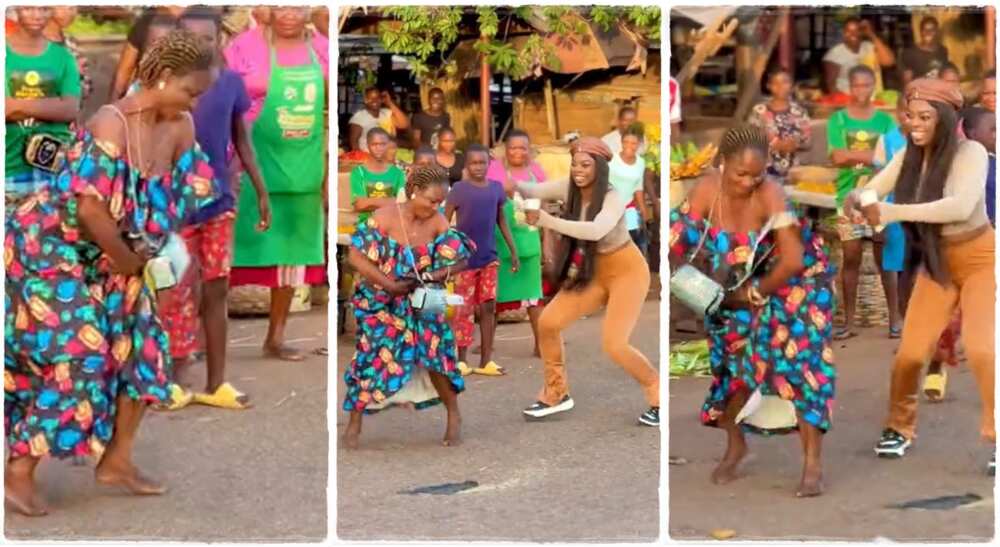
point(234, 476)
point(946, 460)
point(591, 474)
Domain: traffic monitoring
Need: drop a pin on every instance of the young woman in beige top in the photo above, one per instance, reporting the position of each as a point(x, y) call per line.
point(597, 266)
point(940, 192)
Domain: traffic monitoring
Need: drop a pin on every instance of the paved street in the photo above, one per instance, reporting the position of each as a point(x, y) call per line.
point(591, 474)
point(947, 460)
point(234, 476)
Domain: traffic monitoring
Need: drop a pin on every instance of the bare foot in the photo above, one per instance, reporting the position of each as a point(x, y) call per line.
point(350, 441)
point(21, 496)
point(127, 477)
point(537, 352)
point(811, 485)
point(726, 471)
point(351, 435)
point(453, 432)
point(283, 352)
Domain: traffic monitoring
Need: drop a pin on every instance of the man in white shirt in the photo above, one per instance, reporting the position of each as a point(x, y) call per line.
point(861, 46)
point(379, 111)
point(626, 117)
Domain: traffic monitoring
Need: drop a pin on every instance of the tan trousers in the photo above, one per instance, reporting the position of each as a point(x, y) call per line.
point(621, 283)
point(972, 290)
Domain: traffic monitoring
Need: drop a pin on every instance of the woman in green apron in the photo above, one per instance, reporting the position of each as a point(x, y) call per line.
point(286, 68)
point(521, 289)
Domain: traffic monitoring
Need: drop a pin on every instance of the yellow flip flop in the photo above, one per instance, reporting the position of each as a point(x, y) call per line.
point(934, 386)
point(179, 398)
point(226, 396)
point(491, 369)
point(464, 368)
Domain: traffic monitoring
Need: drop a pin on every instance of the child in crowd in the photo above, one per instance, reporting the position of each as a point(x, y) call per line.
point(988, 96)
point(478, 204)
point(377, 182)
point(218, 120)
point(980, 125)
point(852, 134)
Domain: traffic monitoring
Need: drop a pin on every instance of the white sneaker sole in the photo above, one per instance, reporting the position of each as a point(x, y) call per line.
point(644, 421)
point(897, 452)
point(548, 411)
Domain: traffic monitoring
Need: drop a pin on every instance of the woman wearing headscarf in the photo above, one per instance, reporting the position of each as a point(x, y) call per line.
point(939, 186)
point(285, 69)
point(597, 266)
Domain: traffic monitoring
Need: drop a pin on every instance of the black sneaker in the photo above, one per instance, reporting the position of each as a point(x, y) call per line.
point(540, 410)
point(892, 444)
point(651, 417)
point(991, 468)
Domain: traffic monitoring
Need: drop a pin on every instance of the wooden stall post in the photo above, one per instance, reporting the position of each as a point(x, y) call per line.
point(485, 127)
point(991, 37)
point(786, 46)
point(756, 70)
point(550, 110)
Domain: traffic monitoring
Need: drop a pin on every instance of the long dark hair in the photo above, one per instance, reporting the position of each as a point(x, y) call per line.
point(911, 187)
point(569, 245)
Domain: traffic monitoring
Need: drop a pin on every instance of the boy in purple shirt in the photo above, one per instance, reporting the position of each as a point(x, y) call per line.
point(218, 120)
point(478, 203)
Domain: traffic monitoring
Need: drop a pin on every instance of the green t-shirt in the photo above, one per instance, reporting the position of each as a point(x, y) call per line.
point(845, 133)
point(52, 74)
point(365, 184)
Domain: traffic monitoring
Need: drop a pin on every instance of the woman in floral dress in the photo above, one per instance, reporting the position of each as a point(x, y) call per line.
point(84, 349)
point(773, 331)
point(787, 123)
point(405, 356)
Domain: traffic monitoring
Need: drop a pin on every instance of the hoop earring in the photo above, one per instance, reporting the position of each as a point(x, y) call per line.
point(161, 85)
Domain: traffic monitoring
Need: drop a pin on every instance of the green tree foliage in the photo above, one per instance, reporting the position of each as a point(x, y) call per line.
point(425, 34)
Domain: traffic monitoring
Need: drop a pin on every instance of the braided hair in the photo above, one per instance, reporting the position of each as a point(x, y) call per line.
point(423, 177)
point(178, 51)
point(744, 137)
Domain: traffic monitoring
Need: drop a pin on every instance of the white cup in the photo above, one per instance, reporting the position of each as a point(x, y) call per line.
point(868, 197)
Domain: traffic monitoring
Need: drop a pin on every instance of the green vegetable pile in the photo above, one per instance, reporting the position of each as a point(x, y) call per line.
point(404, 155)
point(690, 359)
point(84, 25)
point(682, 152)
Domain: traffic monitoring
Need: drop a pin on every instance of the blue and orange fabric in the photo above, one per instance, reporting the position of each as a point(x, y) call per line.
point(77, 334)
point(782, 347)
point(393, 340)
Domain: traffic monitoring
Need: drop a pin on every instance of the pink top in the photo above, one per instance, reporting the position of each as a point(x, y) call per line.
point(496, 171)
point(248, 55)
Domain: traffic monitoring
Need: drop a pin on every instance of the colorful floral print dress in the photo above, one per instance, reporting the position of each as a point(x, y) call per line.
point(782, 347)
point(76, 335)
point(395, 344)
point(792, 123)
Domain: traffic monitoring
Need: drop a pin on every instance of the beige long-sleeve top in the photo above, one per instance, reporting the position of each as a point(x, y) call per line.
point(607, 229)
point(963, 205)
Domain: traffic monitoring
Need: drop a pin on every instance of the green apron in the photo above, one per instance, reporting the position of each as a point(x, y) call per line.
point(288, 140)
point(526, 284)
